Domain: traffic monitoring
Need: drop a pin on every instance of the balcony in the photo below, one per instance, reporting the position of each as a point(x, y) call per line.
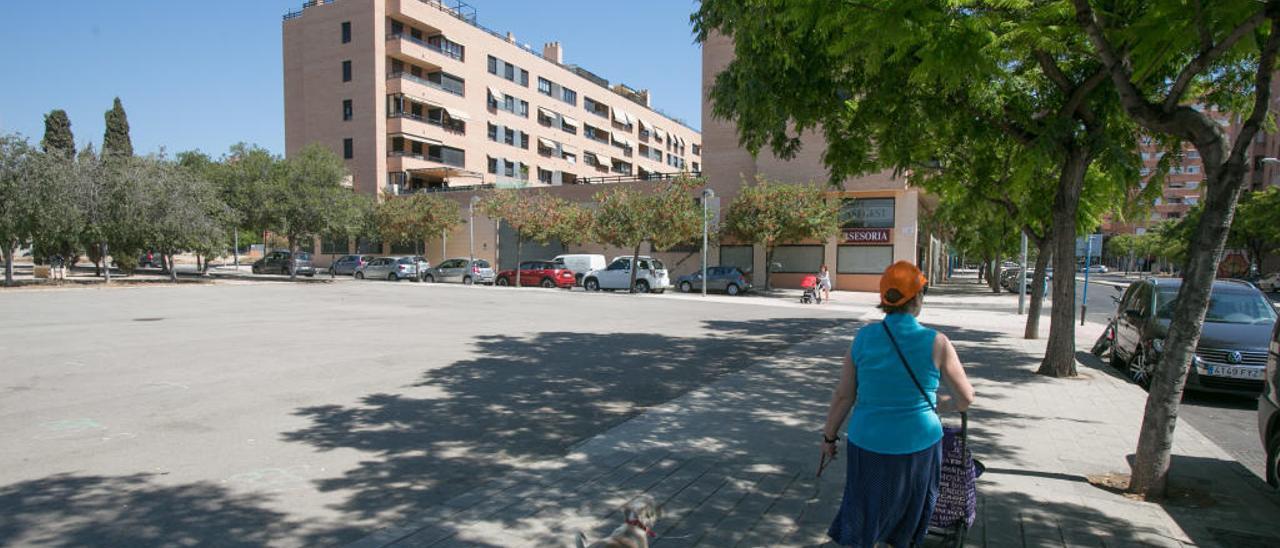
point(404, 82)
point(418, 50)
point(413, 124)
point(401, 160)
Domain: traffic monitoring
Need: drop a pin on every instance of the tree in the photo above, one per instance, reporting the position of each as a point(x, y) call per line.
point(18, 208)
point(115, 140)
point(877, 83)
point(57, 134)
point(535, 216)
point(415, 218)
point(665, 216)
point(1166, 62)
point(1256, 227)
point(307, 198)
point(245, 182)
point(769, 213)
point(185, 212)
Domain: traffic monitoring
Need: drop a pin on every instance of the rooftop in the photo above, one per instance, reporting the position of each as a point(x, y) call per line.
point(466, 13)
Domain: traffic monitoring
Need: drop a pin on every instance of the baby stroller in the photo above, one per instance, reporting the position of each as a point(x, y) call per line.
point(957, 504)
point(811, 294)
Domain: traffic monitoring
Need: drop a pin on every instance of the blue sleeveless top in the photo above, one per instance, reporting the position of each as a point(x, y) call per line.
point(890, 415)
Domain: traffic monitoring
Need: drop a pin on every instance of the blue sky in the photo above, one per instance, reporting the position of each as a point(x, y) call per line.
point(205, 75)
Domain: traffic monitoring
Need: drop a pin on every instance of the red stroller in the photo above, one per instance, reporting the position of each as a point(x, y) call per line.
point(811, 294)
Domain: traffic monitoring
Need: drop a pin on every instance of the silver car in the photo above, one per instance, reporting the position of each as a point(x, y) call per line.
point(464, 271)
point(389, 268)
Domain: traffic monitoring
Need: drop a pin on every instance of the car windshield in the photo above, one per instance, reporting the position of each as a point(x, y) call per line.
point(304, 256)
point(481, 264)
point(406, 260)
point(1224, 307)
point(657, 265)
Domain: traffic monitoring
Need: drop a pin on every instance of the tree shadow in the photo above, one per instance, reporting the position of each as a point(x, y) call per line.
point(133, 510)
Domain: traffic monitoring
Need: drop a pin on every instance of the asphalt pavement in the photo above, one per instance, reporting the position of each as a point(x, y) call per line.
point(309, 414)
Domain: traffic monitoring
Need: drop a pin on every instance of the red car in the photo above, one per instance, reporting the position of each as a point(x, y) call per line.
point(538, 273)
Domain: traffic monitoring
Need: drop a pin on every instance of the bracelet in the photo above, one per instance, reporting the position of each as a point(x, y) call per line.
point(829, 440)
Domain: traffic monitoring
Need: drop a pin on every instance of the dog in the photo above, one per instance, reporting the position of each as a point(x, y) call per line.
point(641, 514)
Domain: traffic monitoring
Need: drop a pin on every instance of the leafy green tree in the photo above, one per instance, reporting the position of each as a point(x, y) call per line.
point(57, 134)
point(20, 179)
point(308, 199)
point(415, 218)
point(770, 213)
point(115, 140)
point(245, 180)
point(535, 216)
point(665, 216)
point(1166, 62)
point(1256, 227)
point(185, 212)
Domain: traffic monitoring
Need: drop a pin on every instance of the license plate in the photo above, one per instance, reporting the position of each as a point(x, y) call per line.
point(1235, 372)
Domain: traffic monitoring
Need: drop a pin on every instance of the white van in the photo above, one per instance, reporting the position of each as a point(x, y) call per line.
point(580, 264)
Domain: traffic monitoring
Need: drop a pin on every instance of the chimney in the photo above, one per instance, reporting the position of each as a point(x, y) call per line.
point(644, 98)
point(553, 51)
point(511, 37)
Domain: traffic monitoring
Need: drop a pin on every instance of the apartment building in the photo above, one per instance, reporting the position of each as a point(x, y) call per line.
point(417, 96)
point(881, 213)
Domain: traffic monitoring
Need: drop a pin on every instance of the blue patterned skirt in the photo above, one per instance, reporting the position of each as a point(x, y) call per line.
point(887, 498)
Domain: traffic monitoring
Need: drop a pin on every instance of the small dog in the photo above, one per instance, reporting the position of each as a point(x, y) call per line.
point(641, 515)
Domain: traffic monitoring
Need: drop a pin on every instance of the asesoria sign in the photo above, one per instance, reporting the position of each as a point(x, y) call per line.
point(868, 236)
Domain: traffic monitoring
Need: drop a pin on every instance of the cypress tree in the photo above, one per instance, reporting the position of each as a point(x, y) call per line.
point(115, 142)
point(57, 134)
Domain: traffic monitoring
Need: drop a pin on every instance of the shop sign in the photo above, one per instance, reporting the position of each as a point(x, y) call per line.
point(868, 236)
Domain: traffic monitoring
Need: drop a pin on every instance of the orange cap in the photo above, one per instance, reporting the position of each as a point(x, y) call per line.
point(904, 277)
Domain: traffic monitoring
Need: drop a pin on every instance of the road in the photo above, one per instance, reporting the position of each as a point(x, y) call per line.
point(306, 414)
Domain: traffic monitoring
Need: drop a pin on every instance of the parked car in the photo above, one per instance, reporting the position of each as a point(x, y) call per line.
point(423, 266)
point(1095, 269)
point(1270, 282)
point(1009, 278)
point(391, 269)
point(727, 279)
point(548, 274)
point(347, 265)
point(1233, 342)
point(1269, 410)
point(581, 264)
point(464, 271)
point(151, 259)
point(277, 262)
point(651, 276)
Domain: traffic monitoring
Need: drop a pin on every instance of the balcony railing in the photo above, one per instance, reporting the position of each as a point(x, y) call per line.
point(425, 44)
point(421, 80)
point(429, 158)
point(458, 128)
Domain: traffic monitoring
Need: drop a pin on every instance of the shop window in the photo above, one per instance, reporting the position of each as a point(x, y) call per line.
point(798, 259)
point(867, 213)
point(863, 259)
point(741, 256)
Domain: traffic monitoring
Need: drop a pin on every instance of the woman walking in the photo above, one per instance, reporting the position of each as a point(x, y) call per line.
point(890, 381)
point(824, 283)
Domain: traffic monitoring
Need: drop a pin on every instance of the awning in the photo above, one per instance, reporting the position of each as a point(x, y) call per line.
point(622, 116)
point(547, 113)
point(569, 149)
point(458, 114)
point(495, 93)
point(617, 137)
point(570, 121)
point(418, 138)
point(643, 125)
point(446, 172)
point(546, 142)
point(661, 135)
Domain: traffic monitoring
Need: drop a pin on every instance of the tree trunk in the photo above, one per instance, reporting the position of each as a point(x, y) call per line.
point(768, 267)
point(635, 268)
point(173, 268)
point(1060, 354)
point(997, 266)
point(1037, 288)
point(293, 252)
point(9, 247)
point(1151, 463)
point(106, 265)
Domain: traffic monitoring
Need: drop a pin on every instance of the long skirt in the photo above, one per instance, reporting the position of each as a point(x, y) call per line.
point(887, 498)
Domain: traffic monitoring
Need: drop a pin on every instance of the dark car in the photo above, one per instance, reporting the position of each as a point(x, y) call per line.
point(278, 262)
point(348, 264)
point(1233, 341)
point(546, 274)
point(728, 279)
point(1269, 410)
point(151, 259)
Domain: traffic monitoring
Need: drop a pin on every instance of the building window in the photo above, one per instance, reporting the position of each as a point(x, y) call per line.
point(741, 256)
point(346, 110)
point(348, 148)
point(544, 86)
point(493, 133)
point(595, 107)
point(569, 96)
point(346, 32)
point(697, 149)
point(333, 244)
point(801, 259)
point(498, 67)
point(447, 82)
point(493, 65)
point(863, 259)
point(867, 213)
point(447, 155)
point(493, 165)
point(596, 134)
point(622, 168)
point(544, 176)
point(346, 71)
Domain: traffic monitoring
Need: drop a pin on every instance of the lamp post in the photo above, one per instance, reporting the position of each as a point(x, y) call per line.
point(471, 225)
point(707, 195)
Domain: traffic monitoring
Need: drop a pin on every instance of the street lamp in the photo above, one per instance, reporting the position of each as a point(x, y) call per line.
point(471, 225)
point(707, 195)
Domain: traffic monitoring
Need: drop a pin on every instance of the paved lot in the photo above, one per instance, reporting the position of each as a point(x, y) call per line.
point(309, 414)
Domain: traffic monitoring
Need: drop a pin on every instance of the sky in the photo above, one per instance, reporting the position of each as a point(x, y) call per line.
point(206, 75)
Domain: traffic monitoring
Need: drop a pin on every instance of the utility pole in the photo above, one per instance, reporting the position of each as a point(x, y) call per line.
point(1022, 282)
point(1084, 296)
point(707, 195)
point(471, 225)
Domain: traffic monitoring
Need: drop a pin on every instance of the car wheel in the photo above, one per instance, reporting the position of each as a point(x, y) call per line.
point(732, 289)
point(392, 277)
point(590, 284)
point(642, 286)
point(548, 283)
point(1139, 369)
point(686, 287)
point(429, 279)
point(1273, 460)
point(359, 275)
point(256, 270)
point(311, 275)
point(332, 272)
point(467, 281)
point(502, 282)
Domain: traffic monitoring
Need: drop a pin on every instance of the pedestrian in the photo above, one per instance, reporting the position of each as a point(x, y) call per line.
point(56, 264)
point(824, 283)
point(890, 382)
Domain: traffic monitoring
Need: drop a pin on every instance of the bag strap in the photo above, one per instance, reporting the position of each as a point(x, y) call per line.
point(903, 357)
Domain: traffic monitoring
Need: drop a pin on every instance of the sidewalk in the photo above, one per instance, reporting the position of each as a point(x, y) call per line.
point(734, 462)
